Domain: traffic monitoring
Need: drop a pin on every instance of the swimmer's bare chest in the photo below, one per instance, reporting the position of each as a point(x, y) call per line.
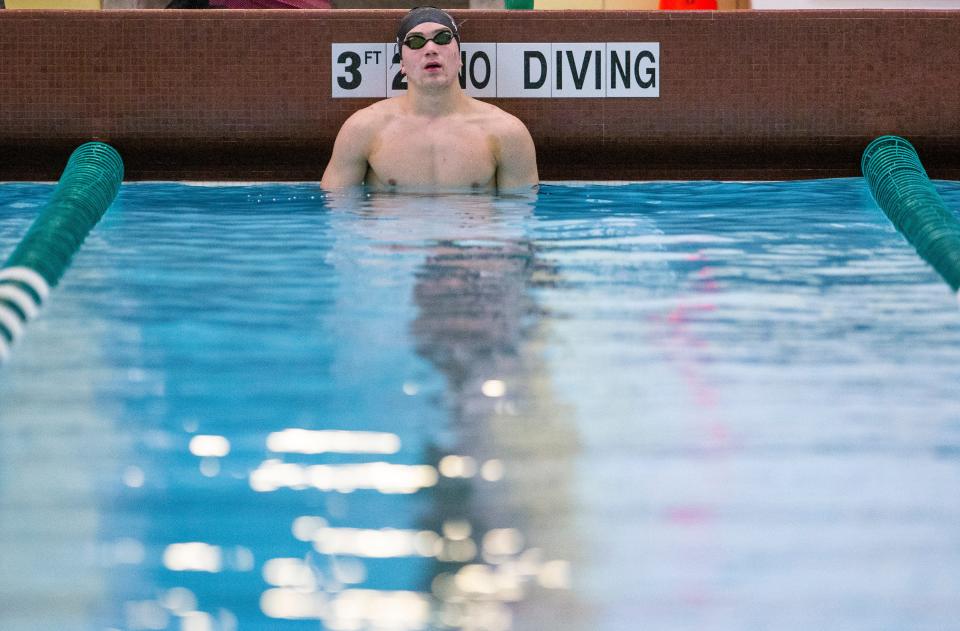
point(443, 155)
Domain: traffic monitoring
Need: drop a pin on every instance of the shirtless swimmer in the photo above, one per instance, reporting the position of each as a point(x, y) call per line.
point(434, 136)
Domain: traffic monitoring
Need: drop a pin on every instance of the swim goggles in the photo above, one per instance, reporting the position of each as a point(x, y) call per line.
point(416, 42)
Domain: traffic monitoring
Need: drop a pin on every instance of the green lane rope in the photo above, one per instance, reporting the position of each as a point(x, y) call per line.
point(903, 191)
point(86, 189)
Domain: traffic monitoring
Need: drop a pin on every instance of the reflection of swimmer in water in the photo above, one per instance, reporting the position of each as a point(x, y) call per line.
point(434, 136)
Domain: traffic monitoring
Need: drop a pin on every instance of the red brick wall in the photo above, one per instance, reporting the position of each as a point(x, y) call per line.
point(246, 94)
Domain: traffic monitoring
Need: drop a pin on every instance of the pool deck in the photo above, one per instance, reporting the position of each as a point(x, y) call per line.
point(247, 95)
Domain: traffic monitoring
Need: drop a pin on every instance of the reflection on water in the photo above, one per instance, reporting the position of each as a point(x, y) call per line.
point(665, 405)
point(468, 275)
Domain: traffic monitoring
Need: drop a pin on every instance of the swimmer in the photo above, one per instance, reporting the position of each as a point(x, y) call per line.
point(432, 137)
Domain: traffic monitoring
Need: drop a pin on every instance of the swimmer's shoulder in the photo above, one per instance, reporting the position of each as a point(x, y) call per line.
point(367, 122)
point(513, 149)
point(508, 133)
point(499, 122)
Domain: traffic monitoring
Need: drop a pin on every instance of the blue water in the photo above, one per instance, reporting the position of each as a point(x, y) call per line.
point(664, 405)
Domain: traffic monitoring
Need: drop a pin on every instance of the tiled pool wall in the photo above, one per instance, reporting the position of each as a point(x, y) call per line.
point(228, 95)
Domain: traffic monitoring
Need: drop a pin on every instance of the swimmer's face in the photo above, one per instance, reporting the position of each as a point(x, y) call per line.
point(434, 64)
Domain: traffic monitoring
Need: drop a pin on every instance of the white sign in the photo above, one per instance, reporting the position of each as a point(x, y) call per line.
point(570, 70)
point(524, 69)
point(359, 70)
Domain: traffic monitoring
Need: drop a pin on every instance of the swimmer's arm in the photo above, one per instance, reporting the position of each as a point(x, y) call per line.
point(517, 160)
point(348, 161)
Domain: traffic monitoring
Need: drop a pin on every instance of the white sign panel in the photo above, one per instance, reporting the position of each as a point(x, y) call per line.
point(523, 70)
point(508, 70)
point(395, 81)
point(578, 70)
point(479, 75)
point(359, 70)
point(632, 70)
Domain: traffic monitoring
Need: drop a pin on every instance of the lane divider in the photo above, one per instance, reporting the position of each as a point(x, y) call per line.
point(87, 187)
point(900, 186)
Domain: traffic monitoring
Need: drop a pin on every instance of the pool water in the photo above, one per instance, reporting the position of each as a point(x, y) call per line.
point(670, 406)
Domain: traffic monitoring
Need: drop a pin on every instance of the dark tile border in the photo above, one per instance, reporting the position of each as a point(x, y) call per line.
point(246, 94)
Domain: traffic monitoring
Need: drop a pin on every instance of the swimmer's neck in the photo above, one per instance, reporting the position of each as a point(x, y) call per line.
point(434, 104)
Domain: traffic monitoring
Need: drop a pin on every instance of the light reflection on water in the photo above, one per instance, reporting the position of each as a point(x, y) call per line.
point(675, 406)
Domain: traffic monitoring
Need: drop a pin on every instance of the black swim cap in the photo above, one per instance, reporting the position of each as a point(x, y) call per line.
point(419, 15)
